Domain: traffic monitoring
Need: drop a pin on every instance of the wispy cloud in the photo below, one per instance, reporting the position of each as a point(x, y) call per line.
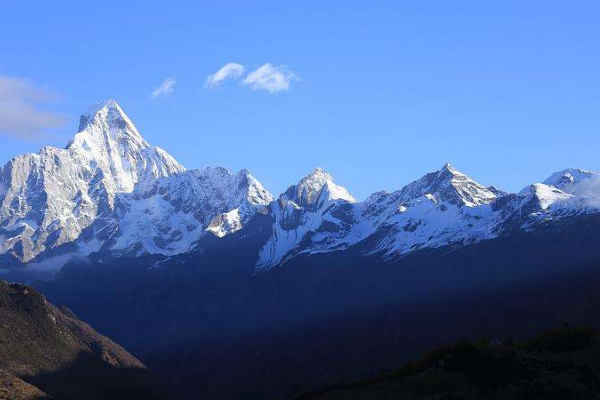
point(20, 113)
point(270, 78)
point(230, 70)
point(165, 88)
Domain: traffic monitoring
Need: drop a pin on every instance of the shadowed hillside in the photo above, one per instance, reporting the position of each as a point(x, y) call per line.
point(328, 318)
point(47, 351)
point(558, 364)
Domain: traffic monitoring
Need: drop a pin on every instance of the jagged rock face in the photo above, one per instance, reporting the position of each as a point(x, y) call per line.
point(49, 198)
point(90, 194)
point(172, 213)
point(108, 139)
point(306, 217)
point(109, 191)
point(314, 190)
point(448, 185)
point(442, 208)
point(497, 192)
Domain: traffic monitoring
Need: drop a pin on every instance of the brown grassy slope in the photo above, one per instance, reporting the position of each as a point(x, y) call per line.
point(51, 349)
point(13, 388)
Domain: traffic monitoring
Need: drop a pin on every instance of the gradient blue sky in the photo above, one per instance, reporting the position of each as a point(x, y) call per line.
point(507, 91)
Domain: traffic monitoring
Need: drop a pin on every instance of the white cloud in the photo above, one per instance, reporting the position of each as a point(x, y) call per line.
point(270, 78)
point(165, 88)
point(20, 113)
point(230, 70)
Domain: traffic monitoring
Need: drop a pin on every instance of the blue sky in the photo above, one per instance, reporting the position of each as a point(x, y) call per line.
point(382, 92)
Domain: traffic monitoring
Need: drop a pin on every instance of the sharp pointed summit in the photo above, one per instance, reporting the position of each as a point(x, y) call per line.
point(105, 122)
point(111, 192)
point(449, 184)
point(77, 185)
point(315, 188)
point(107, 114)
point(108, 137)
point(448, 168)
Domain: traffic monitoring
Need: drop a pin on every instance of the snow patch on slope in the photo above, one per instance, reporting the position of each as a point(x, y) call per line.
point(443, 208)
point(110, 190)
point(315, 206)
point(170, 216)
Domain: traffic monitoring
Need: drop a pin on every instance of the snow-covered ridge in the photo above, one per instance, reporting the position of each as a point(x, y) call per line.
point(316, 188)
point(110, 191)
point(168, 217)
point(108, 137)
point(443, 208)
point(448, 184)
point(311, 206)
point(90, 194)
point(576, 181)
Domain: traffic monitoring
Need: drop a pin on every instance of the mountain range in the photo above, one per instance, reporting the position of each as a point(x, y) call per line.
point(223, 289)
point(110, 192)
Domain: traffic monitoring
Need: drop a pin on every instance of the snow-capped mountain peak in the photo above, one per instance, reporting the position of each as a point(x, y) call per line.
point(255, 192)
point(544, 195)
point(109, 191)
point(448, 184)
point(449, 167)
point(576, 181)
point(50, 198)
point(316, 204)
point(316, 188)
point(109, 140)
point(104, 125)
point(110, 113)
point(171, 215)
